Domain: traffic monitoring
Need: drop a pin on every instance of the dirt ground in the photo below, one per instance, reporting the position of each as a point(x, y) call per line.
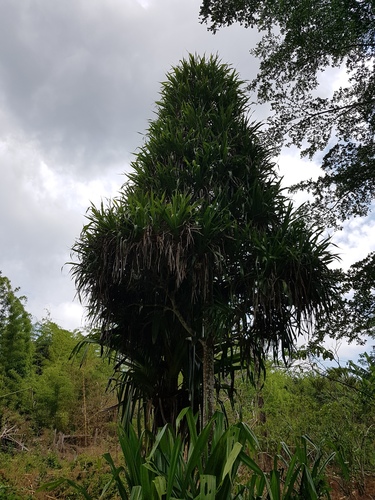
point(352, 491)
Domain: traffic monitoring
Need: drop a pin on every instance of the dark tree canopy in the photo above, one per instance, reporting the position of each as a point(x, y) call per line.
point(200, 257)
point(355, 318)
point(300, 41)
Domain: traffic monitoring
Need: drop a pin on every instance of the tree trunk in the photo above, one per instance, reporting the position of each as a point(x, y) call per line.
point(208, 380)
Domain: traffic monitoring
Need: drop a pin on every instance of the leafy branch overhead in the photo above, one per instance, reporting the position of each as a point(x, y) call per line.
point(300, 41)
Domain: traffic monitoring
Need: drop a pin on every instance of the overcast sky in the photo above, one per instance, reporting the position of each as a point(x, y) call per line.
point(78, 82)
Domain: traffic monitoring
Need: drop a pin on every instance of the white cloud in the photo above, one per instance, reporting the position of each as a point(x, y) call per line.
point(69, 314)
point(356, 240)
point(344, 352)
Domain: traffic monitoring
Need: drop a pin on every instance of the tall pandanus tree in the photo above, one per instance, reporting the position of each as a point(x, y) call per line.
point(201, 253)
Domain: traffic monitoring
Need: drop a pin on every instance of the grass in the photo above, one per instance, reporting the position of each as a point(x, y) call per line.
point(23, 472)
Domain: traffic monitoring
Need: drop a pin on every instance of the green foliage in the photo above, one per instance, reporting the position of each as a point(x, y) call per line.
point(15, 332)
point(65, 390)
point(169, 466)
point(55, 394)
point(201, 255)
point(23, 473)
point(39, 383)
point(6, 493)
point(206, 465)
point(361, 304)
point(295, 474)
point(55, 383)
point(309, 465)
point(300, 41)
point(15, 345)
point(354, 318)
point(334, 408)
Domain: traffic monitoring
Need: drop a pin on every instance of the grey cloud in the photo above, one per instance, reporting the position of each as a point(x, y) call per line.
point(62, 81)
point(80, 78)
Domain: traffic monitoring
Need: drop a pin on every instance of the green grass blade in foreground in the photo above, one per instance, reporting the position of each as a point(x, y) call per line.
point(275, 484)
point(250, 463)
point(233, 455)
point(255, 487)
point(196, 452)
point(292, 473)
point(59, 482)
point(175, 473)
point(192, 424)
point(160, 485)
point(249, 435)
point(219, 428)
point(131, 446)
point(158, 440)
point(136, 493)
point(116, 476)
point(207, 490)
point(307, 483)
point(146, 479)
